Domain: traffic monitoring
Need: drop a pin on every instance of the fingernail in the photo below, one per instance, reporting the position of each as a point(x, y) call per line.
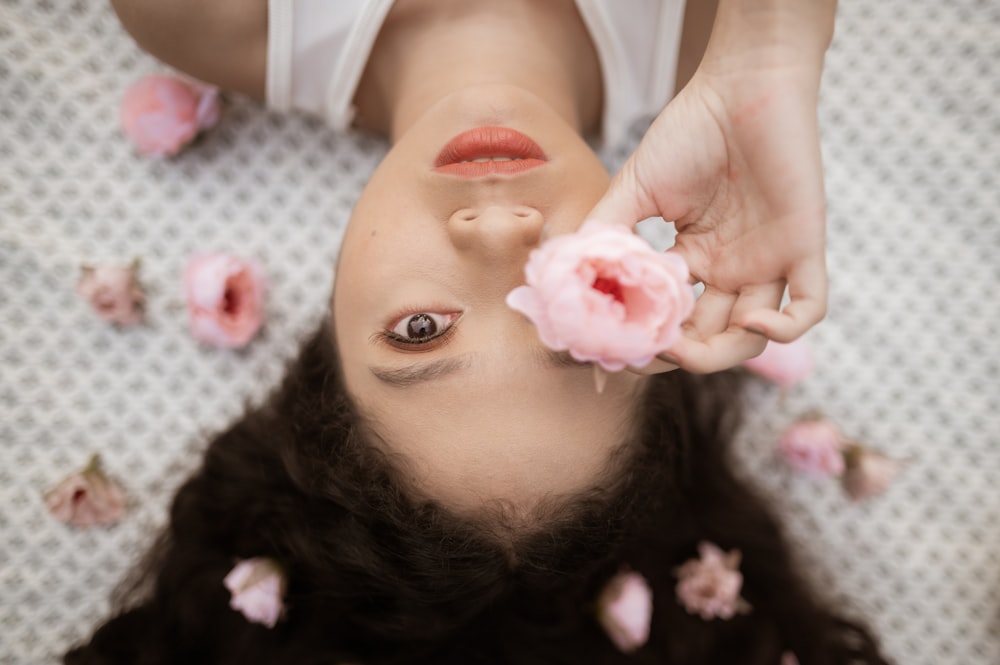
point(666, 357)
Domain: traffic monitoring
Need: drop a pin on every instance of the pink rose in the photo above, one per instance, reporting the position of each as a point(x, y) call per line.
point(789, 658)
point(162, 114)
point(784, 364)
point(225, 298)
point(605, 295)
point(86, 498)
point(813, 445)
point(257, 586)
point(710, 585)
point(113, 292)
point(625, 609)
point(868, 473)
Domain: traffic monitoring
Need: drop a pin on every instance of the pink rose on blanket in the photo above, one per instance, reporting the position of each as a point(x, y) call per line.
point(86, 498)
point(813, 445)
point(784, 364)
point(225, 299)
point(710, 585)
point(605, 295)
point(113, 292)
point(625, 610)
point(257, 586)
point(162, 114)
point(868, 473)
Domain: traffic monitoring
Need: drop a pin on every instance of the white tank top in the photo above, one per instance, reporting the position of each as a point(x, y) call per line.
point(317, 51)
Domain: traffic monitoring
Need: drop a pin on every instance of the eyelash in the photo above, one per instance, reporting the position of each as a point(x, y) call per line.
point(389, 338)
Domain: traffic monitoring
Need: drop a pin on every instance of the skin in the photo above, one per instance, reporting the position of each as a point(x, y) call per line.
point(509, 425)
point(733, 159)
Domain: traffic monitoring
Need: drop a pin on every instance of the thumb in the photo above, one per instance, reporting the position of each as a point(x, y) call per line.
point(627, 200)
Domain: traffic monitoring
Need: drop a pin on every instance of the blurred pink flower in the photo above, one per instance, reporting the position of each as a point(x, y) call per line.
point(605, 295)
point(813, 445)
point(257, 586)
point(784, 364)
point(225, 299)
point(789, 658)
point(625, 610)
point(113, 292)
point(86, 498)
point(868, 473)
point(162, 114)
point(710, 585)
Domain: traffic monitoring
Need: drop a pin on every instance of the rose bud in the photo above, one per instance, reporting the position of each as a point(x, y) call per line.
point(225, 299)
point(625, 610)
point(783, 364)
point(162, 114)
point(710, 585)
point(86, 498)
point(868, 473)
point(113, 292)
point(257, 586)
point(813, 445)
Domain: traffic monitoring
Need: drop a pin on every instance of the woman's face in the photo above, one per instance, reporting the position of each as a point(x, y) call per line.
point(454, 382)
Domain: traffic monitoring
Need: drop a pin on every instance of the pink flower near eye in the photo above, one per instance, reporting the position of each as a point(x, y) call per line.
point(710, 585)
point(868, 473)
point(257, 586)
point(625, 610)
point(813, 445)
point(162, 114)
point(605, 295)
point(784, 364)
point(113, 292)
point(86, 498)
point(225, 299)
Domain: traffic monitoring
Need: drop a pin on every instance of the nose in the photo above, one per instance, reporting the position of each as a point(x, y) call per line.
point(497, 232)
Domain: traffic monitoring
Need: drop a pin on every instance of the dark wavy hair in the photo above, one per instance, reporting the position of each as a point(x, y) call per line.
point(378, 575)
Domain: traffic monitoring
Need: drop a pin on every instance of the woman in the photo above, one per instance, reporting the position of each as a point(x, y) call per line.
point(436, 485)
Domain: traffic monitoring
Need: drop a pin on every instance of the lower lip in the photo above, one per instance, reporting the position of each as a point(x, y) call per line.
point(482, 142)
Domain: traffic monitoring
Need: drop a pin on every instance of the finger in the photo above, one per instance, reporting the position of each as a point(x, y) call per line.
point(731, 345)
point(626, 202)
point(808, 292)
point(657, 366)
point(711, 315)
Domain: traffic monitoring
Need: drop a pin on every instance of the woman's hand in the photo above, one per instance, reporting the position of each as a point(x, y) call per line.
point(735, 161)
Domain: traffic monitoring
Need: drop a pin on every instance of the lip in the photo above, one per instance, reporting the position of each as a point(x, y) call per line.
point(483, 142)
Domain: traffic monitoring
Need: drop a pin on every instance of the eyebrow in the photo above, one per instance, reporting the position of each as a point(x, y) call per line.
point(404, 377)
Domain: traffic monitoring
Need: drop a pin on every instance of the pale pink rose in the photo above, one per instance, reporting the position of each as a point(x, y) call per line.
point(605, 295)
point(813, 445)
point(789, 658)
point(868, 473)
point(625, 610)
point(113, 292)
point(86, 498)
point(784, 364)
point(225, 299)
point(162, 114)
point(257, 586)
point(710, 585)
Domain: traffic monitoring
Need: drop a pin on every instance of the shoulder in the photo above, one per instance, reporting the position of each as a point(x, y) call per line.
point(223, 42)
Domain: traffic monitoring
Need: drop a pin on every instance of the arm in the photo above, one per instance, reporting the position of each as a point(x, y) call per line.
point(222, 42)
point(735, 161)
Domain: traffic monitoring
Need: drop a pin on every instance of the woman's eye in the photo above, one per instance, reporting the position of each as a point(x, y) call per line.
point(421, 328)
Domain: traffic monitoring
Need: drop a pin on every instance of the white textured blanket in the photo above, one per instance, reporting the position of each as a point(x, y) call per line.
point(908, 360)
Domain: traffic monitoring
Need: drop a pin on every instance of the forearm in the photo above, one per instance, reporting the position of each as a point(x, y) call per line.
point(763, 34)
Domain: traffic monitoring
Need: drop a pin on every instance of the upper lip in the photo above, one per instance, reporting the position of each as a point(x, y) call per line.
point(489, 150)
